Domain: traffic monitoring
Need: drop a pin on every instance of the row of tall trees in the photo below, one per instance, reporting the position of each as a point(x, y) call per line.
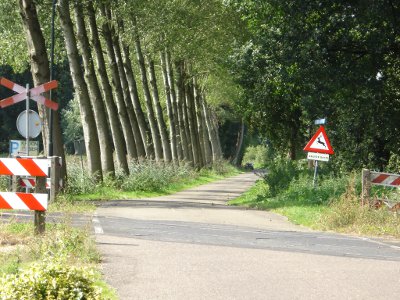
point(140, 72)
point(107, 89)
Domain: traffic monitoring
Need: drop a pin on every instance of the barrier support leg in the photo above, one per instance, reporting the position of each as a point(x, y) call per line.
point(40, 216)
point(55, 178)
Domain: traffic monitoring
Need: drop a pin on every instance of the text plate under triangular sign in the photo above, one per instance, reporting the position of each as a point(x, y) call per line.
point(319, 143)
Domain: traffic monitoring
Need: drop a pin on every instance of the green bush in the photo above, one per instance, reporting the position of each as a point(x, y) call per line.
point(393, 165)
point(50, 280)
point(79, 181)
point(282, 172)
point(4, 183)
point(303, 192)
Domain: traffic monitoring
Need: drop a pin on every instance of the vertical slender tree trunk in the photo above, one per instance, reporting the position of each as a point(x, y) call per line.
point(171, 83)
point(172, 127)
point(103, 132)
point(116, 82)
point(180, 98)
point(194, 137)
point(212, 133)
point(88, 122)
point(41, 74)
point(135, 99)
point(159, 113)
point(116, 132)
point(205, 145)
point(141, 152)
point(155, 134)
point(186, 124)
point(239, 144)
point(214, 123)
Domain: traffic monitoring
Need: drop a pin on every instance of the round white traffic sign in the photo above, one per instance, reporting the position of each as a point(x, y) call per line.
point(34, 124)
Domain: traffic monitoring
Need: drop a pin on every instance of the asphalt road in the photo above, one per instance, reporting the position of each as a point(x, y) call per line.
point(192, 246)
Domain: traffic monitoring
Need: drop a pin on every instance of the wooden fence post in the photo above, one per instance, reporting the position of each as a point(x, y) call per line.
point(40, 216)
point(366, 186)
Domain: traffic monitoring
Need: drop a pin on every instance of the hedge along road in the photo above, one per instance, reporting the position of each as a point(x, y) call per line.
point(192, 246)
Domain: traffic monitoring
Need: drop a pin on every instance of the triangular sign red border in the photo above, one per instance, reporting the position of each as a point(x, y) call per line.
point(317, 150)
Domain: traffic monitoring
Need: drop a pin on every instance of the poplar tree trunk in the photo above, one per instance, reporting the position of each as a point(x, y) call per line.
point(180, 98)
point(214, 123)
point(212, 133)
point(160, 118)
point(107, 160)
point(116, 132)
point(41, 74)
point(239, 144)
point(141, 152)
point(135, 99)
point(203, 135)
point(171, 83)
point(172, 127)
point(194, 137)
point(88, 122)
point(116, 82)
point(155, 134)
point(186, 124)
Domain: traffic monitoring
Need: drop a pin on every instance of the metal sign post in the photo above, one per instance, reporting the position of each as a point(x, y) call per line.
point(315, 173)
point(27, 125)
point(27, 119)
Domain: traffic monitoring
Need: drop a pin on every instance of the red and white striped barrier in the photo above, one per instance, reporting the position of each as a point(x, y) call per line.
point(31, 183)
point(23, 201)
point(25, 166)
point(385, 179)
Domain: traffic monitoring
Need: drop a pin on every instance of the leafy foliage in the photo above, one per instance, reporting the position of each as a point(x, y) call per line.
point(48, 280)
point(260, 156)
point(71, 121)
point(310, 59)
point(282, 172)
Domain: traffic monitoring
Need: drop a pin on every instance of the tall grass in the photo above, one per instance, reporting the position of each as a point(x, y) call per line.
point(144, 176)
point(347, 215)
point(334, 204)
point(60, 263)
point(148, 175)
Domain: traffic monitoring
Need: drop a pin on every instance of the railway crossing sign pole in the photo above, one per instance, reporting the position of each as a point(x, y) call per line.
point(27, 94)
point(27, 119)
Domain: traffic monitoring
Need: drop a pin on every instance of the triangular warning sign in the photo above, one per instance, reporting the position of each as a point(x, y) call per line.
point(319, 143)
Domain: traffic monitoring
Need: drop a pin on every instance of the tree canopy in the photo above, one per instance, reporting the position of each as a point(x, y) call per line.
point(309, 59)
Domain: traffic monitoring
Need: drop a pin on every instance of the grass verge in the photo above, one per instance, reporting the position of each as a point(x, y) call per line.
point(333, 205)
point(63, 252)
point(146, 179)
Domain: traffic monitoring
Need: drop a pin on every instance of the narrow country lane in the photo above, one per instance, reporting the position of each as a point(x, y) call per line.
point(192, 246)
